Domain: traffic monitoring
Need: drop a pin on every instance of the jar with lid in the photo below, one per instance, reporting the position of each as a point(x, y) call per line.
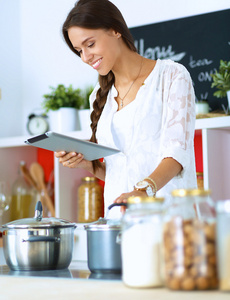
point(141, 242)
point(90, 200)
point(223, 243)
point(23, 197)
point(189, 237)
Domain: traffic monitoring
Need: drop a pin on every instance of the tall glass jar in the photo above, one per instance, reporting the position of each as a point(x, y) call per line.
point(223, 243)
point(90, 200)
point(141, 242)
point(190, 241)
point(23, 199)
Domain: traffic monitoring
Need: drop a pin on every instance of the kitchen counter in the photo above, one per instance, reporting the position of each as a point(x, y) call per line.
point(83, 285)
point(83, 289)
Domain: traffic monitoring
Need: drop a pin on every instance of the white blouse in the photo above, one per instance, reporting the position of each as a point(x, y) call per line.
point(158, 123)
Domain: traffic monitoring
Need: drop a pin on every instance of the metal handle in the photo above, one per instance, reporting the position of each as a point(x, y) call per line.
point(41, 239)
point(118, 238)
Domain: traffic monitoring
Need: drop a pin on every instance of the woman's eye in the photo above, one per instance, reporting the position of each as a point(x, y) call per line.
point(91, 45)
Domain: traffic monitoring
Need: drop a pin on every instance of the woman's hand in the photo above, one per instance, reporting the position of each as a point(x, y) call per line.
point(73, 160)
point(124, 197)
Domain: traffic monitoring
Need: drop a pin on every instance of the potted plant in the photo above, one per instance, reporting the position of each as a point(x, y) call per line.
point(62, 104)
point(221, 80)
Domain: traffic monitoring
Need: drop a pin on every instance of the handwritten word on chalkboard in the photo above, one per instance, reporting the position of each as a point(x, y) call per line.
point(198, 42)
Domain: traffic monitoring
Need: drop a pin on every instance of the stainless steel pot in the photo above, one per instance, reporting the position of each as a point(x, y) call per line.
point(103, 246)
point(38, 244)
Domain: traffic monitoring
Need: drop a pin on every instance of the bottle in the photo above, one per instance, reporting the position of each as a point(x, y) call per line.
point(190, 241)
point(22, 204)
point(90, 201)
point(141, 243)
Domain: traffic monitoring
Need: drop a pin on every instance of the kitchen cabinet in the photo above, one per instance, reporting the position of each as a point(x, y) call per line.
point(216, 164)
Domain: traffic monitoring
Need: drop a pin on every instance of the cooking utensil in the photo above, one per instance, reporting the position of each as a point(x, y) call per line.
point(28, 176)
point(37, 174)
point(38, 243)
point(103, 247)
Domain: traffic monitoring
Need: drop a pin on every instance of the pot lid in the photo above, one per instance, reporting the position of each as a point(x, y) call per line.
point(38, 221)
point(104, 224)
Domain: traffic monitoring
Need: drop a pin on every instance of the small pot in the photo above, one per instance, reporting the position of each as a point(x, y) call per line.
point(38, 244)
point(103, 245)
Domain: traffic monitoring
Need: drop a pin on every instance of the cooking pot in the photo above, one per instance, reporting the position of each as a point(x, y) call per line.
point(103, 245)
point(38, 243)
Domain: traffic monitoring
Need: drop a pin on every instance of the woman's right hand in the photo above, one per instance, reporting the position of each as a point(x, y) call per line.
point(73, 160)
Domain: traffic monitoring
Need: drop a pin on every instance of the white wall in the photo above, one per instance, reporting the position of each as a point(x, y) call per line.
point(33, 55)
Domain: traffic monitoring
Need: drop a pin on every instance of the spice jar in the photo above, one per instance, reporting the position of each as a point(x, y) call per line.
point(90, 202)
point(141, 242)
point(223, 244)
point(189, 241)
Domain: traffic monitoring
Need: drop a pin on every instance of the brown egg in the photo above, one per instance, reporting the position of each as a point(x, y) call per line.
point(188, 284)
point(173, 284)
point(202, 283)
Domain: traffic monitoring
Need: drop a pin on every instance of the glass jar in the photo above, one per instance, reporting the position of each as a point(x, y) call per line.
point(223, 244)
point(23, 199)
point(90, 200)
point(189, 241)
point(200, 180)
point(141, 242)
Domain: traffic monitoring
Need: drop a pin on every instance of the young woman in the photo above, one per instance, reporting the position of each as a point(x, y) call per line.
point(144, 108)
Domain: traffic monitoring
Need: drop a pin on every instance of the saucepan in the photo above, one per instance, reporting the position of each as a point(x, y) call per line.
point(38, 243)
point(103, 246)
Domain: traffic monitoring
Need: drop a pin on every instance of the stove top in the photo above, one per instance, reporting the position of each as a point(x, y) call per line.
point(76, 270)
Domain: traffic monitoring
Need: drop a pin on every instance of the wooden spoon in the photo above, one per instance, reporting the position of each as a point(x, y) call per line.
point(28, 176)
point(37, 174)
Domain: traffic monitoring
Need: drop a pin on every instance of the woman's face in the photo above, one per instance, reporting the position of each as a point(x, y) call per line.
point(97, 47)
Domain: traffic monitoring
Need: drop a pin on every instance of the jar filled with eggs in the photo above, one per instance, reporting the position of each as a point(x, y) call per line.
point(90, 200)
point(189, 238)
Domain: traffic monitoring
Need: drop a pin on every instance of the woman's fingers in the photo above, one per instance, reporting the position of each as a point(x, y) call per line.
point(71, 159)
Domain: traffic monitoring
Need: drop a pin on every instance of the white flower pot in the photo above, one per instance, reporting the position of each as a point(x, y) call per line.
point(202, 108)
point(228, 96)
point(84, 118)
point(64, 119)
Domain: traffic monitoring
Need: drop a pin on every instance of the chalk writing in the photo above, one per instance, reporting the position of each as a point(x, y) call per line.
point(199, 63)
point(205, 76)
point(158, 52)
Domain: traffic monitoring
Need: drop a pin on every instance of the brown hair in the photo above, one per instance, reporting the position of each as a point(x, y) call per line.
point(98, 14)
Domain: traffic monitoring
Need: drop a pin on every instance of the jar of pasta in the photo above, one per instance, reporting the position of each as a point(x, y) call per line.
point(189, 237)
point(141, 243)
point(90, 200)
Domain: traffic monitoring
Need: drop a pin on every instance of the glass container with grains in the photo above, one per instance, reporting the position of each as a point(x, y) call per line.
point(189, 237)
point(90, 200)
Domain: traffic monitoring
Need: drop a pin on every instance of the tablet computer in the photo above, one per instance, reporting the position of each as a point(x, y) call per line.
point(58, 142)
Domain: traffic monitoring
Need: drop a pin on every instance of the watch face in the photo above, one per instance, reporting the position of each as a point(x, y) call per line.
point(37, 125)
point(141, 184)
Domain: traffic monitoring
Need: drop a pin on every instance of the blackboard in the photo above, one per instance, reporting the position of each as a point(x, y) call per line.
point(197, 42)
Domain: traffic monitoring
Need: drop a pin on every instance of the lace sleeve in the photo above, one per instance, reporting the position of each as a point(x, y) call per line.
point(178, 116)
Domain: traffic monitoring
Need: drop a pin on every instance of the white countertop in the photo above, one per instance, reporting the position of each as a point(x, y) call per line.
point(83, 289)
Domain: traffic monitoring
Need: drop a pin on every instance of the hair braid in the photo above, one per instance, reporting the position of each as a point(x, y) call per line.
point(106, 83)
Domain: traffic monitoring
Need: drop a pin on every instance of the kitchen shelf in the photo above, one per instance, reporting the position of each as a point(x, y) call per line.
point(216, 164)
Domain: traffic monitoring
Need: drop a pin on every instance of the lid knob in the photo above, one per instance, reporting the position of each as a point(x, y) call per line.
point(38, 211)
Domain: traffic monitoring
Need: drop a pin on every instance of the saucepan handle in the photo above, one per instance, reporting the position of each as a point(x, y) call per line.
point(41, 239)
point(117, 204)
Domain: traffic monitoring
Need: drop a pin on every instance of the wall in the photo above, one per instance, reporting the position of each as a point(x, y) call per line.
point(33, 55)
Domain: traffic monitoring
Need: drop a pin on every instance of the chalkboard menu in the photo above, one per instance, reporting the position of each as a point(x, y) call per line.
point(198, 42)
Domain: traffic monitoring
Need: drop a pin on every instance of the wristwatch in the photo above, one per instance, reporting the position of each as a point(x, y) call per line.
point(145, 186)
